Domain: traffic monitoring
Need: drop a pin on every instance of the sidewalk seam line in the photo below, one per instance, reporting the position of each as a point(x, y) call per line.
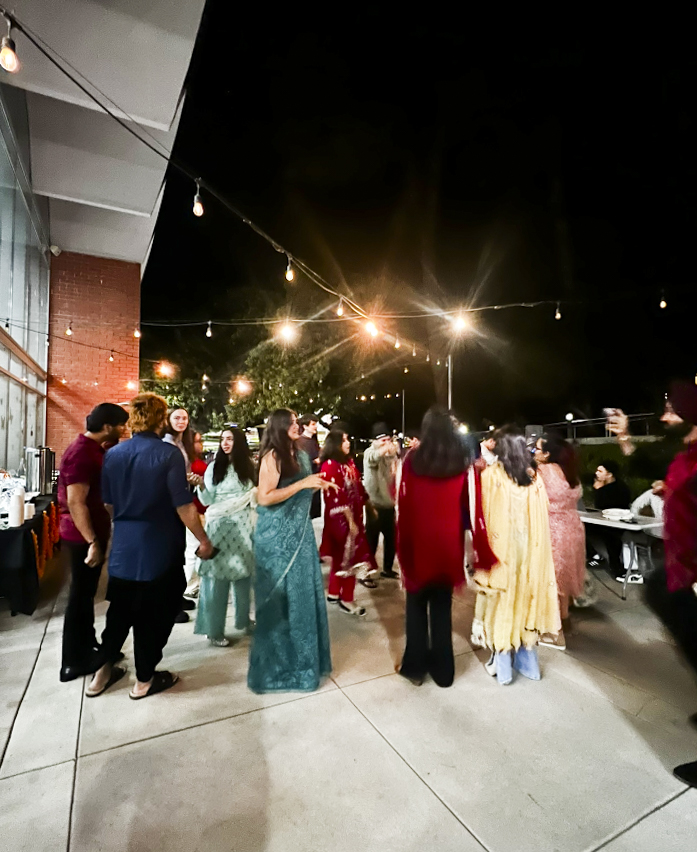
point(636, 822)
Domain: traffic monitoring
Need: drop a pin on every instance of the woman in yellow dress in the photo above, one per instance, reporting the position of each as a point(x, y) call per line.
point(517, 599)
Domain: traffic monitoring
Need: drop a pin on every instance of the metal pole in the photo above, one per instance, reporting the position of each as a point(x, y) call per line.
point(403, 411)
point(450, 382)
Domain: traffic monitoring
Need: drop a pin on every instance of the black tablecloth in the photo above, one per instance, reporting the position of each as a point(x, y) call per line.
point(19, 578)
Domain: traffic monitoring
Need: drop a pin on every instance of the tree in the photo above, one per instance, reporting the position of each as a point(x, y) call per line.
point(281, 377)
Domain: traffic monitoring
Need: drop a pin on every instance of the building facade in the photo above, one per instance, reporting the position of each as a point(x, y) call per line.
point(79, 199)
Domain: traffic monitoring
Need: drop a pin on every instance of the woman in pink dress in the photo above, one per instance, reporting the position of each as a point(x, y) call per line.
point(558, 467)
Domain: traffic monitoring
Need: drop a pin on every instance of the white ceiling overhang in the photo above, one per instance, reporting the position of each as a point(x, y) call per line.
point(104, 186)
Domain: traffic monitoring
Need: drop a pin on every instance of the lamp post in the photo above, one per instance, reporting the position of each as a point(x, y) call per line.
point(449, 366)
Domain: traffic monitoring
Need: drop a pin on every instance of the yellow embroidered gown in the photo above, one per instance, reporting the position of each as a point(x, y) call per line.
point(517, 600)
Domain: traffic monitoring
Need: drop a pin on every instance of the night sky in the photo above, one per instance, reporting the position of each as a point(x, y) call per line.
point(479, 174)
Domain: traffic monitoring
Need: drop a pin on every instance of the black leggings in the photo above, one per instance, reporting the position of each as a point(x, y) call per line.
point(430, 635)
point(677, 610)
point(384, 523)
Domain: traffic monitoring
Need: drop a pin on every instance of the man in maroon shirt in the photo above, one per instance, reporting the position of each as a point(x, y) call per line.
point(671, 591)
point(85, 527)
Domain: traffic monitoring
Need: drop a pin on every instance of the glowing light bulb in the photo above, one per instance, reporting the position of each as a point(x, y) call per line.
point(209, 331)
point(64, 381)
point(287, 332)
point(8, 51)
point(198, 201)
point(371, 328)
point(428, 357)
point(111, 357)
point(165, 369)
point(290, 274)
point(569, 417)
point(406, 369)
point(413, 351)
point(69, 330)
point(663, 304)
point(243, 386)
point(131, 386)
point(557, 313)
point(137, 333)
point(459, 323)
point(363, 398)
point(231, 401)
point(397, 344)
point(340, 309)
point(438, 363)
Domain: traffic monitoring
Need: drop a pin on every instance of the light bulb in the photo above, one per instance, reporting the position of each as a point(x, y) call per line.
point(371, 328)
point(64, 381)
point(198, 202)
point(209, 331)
point(287, 332)
point(363, 399)
point(397, 344)
point(290, 275)
point(406, 369)
point(459, 323)
point(413, 351)
point(69, 330)
point(438, 363)
point(8, 51)
point(130, 386)
point(204, 378)
point(557, 313)
point(428, 357)
point(340, 309)
point(243, 386)
point(111, 356)
point(663, 304)
point(137, 333)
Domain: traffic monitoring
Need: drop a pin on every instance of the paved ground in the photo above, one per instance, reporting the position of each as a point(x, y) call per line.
point(579, 761)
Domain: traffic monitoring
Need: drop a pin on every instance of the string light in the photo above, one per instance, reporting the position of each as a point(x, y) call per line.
point(371, 328)
point(131, 386)
point(287, 332)
point(209, 330)
point(137, 333)
point(340, 309)
point(243, 386)
point(428, 357)
point(413, 351)
point(198, 202)
point(557, 313)
point(69, 330)
point(663, 304)
point(406, 369)
point(165, 369)
point(438, 363)
point(64, 381)
point(111, 356)
point(204, 378)
point(397, 344)
point(8, 50)
point(459, 323)
point(290, 275)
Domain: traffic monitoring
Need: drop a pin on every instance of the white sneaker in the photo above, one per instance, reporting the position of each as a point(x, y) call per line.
point(490, 665)
point(351, 608)
point(219, 643)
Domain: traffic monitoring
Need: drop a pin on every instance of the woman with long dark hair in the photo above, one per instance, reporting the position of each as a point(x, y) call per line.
point(343, 538)
point(227, 491)
point(557, 464)
point(290, 647)
point(431, 506)
point(517, 599)
point(179, 432)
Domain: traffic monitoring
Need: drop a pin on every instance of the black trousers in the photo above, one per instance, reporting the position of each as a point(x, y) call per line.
point(608, 543)
point(430, 635)
point(316, 505)
point(79, 638)
point(385, 524)
point(677, 610)
point(150, 609)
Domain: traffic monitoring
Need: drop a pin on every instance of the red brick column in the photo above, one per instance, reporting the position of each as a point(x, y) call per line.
point(100, 299)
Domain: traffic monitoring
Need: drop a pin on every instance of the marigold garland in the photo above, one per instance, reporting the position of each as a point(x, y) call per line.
point(40, 563)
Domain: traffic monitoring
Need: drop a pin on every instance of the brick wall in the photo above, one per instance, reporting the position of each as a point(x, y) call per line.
point(101, 299)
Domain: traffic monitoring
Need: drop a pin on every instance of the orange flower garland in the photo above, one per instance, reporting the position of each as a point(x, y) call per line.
point(40, 562)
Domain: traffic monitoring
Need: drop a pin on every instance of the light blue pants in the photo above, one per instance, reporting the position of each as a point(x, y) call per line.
point(212, 605)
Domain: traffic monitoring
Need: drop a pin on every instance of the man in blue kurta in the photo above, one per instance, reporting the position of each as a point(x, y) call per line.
point(144, 485)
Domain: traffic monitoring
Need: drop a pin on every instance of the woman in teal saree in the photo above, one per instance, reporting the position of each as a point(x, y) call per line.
point(290, 647)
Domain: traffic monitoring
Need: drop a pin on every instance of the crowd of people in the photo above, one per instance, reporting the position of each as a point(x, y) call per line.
point(500, 517)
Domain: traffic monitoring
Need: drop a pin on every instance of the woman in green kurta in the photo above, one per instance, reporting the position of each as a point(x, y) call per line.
point(228, 487)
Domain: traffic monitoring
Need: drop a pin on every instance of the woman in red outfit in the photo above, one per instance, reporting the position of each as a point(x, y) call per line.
point(343, 539)
point(431, 505)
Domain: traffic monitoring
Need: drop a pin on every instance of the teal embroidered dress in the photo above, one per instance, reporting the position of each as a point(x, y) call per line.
point(290, 648)
point(229, 525)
